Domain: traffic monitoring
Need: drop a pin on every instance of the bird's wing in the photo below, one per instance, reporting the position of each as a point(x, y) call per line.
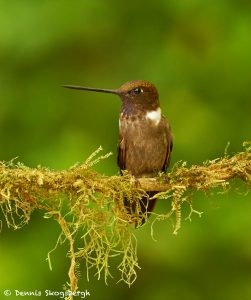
point(122, 153)
point(169, 148)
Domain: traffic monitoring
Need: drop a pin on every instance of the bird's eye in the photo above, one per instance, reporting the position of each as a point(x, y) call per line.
point(137, 91)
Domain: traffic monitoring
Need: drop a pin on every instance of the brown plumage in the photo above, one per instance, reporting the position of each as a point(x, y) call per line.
point(145, 140)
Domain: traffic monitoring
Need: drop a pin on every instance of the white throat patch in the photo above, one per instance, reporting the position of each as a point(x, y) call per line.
point(154, 116)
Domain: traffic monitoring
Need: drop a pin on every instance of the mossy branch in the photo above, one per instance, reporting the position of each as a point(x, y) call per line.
point(90, 205)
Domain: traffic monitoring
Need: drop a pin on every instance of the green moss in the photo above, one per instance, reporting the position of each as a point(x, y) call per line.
point(94, 216)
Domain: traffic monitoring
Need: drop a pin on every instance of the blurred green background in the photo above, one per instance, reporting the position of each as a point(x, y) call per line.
point(198, 54)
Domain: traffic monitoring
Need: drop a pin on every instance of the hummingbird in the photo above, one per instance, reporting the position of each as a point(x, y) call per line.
point(145, 139)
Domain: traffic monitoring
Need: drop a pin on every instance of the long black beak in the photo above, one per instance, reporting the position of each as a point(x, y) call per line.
point(83, 88)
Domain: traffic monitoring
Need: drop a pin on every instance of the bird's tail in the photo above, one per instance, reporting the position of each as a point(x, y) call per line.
point(141, 209)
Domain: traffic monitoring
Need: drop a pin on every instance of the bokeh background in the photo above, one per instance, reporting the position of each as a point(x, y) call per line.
point(198, 54)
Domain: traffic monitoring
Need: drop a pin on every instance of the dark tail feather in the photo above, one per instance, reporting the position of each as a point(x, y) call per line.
point(141, 210)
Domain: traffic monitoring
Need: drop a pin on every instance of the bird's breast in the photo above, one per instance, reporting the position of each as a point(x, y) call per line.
point(145, 143)
point(141, 120)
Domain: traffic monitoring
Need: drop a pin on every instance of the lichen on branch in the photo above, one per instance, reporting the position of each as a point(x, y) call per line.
point(89, 206)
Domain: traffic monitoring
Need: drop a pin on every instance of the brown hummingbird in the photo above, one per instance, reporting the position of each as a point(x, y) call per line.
point(145, 139)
